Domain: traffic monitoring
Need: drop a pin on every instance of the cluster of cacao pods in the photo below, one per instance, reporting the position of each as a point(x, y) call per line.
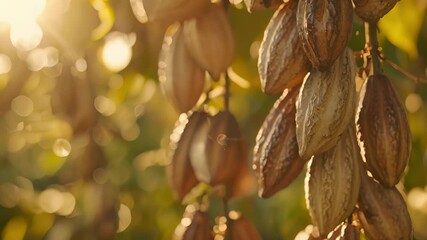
point(356, 145)
point(206, 147)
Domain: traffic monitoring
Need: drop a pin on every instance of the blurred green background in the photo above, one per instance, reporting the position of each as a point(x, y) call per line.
point(84, 125)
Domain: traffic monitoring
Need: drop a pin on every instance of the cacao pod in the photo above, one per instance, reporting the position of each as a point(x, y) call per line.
point(324, 28)
point(181, 173)
point(276, 159)
point(383, 130)
point(181, 78)
point(383, 211)
point(325, 106)
point(210, 40)
point(373, 10)
point(333, 182)
point(216, 149)
point(282, 62)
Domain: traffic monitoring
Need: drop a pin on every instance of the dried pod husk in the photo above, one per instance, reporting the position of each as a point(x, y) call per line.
point(167, 11)
point(383, 130)
point(282, 62)
point(209, 39)
point(180, 172)
point(373, 10)
point(325, 106)
point(181, 78)
point(198, 229)
point(383, 211)
point(333, 182)
point(241, 228)
point(256, 5)
point(216, 149)
point(276, 159)
point(324, 27)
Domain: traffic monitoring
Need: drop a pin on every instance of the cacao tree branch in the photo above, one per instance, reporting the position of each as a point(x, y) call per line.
point(405, 72)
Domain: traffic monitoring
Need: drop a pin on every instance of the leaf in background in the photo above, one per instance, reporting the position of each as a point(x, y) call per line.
point(401, 26)
point(106, 16)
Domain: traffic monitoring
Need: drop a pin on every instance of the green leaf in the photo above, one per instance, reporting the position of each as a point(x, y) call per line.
point(402, 25)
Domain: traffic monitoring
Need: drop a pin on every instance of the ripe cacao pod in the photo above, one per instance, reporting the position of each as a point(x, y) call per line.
point(282, 62)
point(383, 130)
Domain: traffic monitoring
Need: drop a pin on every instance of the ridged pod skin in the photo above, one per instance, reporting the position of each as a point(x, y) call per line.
point(383, 212)
point(256, 5)
point(383, 130)
point(373, 10)
point(167, 11)
point(216, 149)
point(332, 183)
point(276, 160)
point(324, 27)
point(282, 62)
point(198, 229)
point(210, 40)
point(242, 229)
point(325, 106)
point(181, 174)
point(181, 78)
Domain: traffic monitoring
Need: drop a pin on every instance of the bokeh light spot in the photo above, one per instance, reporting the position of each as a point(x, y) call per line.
point(18, 11)
point(69, 203)
point(5, 64)
point(61, 147)
point(105, 106)
point(26, 36)
point(413, 102)
point(125, 218)
point(51, 200)
point(117, 51)
point(81, 65)
point(22, 105)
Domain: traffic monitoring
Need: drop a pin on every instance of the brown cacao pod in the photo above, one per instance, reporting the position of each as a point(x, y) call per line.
point(373, 10)
point(167, 11)
point(383, 130)
point(181, 78)
point(216, 149)
point(255, 5)
point(325, 106)
point(324, 27)
point(180, 171)
point(282, 62)
point(210, 40)
point(333, 182)
point(276, 159)
point(383, 211)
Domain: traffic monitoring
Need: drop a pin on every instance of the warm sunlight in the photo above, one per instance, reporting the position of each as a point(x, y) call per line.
point(22, 15)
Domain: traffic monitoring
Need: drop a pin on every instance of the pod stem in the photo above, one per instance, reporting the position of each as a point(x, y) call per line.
point(372, 45)
point(227, 92)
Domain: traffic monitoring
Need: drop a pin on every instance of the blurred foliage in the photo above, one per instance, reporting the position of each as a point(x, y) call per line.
point(85, 126)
